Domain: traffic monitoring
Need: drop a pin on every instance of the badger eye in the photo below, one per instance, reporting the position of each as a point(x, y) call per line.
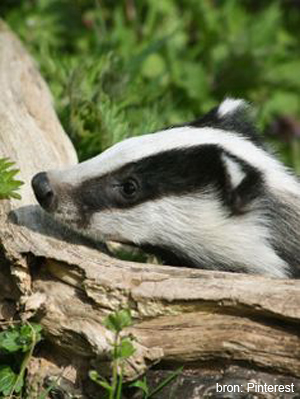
point(129, 188)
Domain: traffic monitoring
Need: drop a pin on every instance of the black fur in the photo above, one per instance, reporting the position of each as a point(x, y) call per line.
point(172, 172)
point(284, 234)
point(238, 121)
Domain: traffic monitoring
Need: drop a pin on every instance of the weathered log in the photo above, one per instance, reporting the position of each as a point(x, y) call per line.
point(207, 320)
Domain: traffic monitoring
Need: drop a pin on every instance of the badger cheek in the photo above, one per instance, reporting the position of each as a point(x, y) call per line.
point(105, 226)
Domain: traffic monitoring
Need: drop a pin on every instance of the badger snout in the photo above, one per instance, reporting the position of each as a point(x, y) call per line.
point(44, 192)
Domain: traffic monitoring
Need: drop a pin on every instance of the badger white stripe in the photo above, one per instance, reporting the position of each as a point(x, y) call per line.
point(234, 170)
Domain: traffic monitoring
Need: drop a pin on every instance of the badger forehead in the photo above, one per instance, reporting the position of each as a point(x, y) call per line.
point(136, 148)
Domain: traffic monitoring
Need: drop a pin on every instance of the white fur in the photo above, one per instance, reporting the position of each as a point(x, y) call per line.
point(234, 170)
point(230, 105)
point(199, 227)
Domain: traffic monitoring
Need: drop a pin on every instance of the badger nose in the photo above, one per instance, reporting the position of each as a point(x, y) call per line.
point(43, 191)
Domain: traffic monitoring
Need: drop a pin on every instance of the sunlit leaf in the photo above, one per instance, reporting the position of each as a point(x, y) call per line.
point(8, 183)
point(125, 349)
point(7, 380)
point(118, 321)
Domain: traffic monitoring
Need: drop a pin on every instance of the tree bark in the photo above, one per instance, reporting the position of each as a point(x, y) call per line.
point(208, 321)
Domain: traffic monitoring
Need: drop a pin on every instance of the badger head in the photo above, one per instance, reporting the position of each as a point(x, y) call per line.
point(197, 194)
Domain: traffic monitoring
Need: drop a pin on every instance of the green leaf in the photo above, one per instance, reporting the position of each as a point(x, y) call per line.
point(281, 103)
point(193, 78)
point(125, 349)
point(7, 380)
point(117, 321)
point(9, 341)
point(285, 74)
point(20, 338)
point(29, 335)
point(8, 184)
point(264, 30)
point(141, 384)
point(153, 66)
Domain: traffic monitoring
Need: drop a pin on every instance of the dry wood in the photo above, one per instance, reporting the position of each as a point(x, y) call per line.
point(69, 285)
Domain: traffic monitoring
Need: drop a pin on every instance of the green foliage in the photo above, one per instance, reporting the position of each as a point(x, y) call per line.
point(16, 347)
point(8, 184)
point(119, 320)
point(19, 338)
point(119, 69)
point(122, 349)
point(9, 382)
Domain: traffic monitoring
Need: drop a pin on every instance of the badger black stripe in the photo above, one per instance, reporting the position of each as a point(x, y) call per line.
point(174, 172)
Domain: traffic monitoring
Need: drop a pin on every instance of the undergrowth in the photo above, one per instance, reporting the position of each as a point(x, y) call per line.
point(17, 343)
point(120, 69)
point(122, 350)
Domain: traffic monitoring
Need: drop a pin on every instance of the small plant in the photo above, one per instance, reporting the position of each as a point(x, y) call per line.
point(8, 184)
point(16, 347)
point(122, 349)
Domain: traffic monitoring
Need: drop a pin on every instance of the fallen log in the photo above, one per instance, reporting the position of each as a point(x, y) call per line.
point(207, 321)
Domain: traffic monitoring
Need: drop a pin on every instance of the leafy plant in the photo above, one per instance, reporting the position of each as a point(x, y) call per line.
point(120, 69)
point(8, 184)
point(122, 349)
point(16, 348)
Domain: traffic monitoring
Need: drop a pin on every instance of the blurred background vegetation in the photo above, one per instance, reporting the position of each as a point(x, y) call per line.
point(123, 68)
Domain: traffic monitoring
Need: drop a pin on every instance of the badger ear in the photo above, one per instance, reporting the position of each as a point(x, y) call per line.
point(232, 115)
point(233, 107)
point(243, 183)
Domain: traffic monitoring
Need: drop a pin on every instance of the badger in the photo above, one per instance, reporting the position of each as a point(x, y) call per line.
point(206, 194)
